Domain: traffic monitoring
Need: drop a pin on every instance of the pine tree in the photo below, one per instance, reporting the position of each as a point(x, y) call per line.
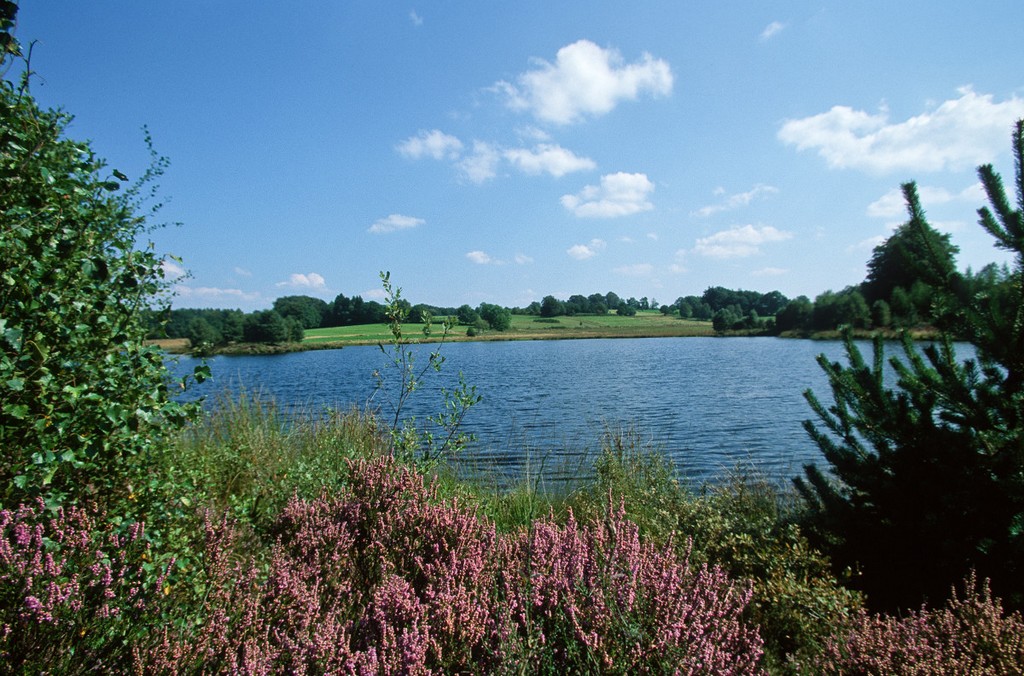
point(927, 474)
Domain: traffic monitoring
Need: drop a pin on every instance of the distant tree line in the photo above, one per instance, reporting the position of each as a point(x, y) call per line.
point(902, 289)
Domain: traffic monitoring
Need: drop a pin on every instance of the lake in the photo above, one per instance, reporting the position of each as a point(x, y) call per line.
point(708, 403)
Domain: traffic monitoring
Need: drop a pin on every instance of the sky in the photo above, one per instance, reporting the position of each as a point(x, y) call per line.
point(501, 151)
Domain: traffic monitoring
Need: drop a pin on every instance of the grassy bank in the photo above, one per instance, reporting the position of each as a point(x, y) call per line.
point(645, 324)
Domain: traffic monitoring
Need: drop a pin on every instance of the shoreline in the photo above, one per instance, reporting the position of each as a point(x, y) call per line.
point(181, 345)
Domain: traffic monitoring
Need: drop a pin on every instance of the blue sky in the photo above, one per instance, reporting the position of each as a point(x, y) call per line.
point(504, 151)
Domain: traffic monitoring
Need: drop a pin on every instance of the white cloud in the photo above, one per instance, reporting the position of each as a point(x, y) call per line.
point(479, 257)
point(582, 252)
point(960, 133)
point(172, 270)
point(585, 80)
point(892, 204)
point(210, 294)
point(618, 194)
point(523, 259)
point(393, 223)
point(736, 201)
point(636, 270)
point(242, 272)
point(301, 281)
point(482, 165)
point(771, 30)
point(434, 144)
point(552, 159)
point(416, 19)
point(739, 241)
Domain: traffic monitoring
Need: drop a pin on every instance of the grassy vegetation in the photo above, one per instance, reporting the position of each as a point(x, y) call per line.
point(646, 324)
point(254, 462)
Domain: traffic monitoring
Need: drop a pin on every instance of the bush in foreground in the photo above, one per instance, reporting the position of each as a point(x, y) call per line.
point(970, 635)
point(387, 577)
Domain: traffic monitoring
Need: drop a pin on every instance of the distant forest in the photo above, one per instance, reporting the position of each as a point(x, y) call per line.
point(899, 292)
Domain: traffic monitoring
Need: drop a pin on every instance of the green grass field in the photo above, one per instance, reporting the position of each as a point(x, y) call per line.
point(527, 327)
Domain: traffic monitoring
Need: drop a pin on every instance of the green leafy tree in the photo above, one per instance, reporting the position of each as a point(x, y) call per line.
point(202, 335)
point(266, 326)
point(551, 307)
point(915, 253)
point(84, 402)
point(309, 311)
point(466, 315)
point(796, 315)
point(928, 476)
point(497, 317)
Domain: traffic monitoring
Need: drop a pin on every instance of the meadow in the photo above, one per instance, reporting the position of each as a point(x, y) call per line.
point(646, 324)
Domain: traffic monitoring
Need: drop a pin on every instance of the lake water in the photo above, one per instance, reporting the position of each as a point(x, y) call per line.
point(708, 403)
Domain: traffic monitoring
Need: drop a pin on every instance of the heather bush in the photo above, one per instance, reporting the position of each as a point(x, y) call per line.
point(382, 578)
point(74, 595)
point(971, 635)
point(387, 577)
point(596, 599)
point(742, 524)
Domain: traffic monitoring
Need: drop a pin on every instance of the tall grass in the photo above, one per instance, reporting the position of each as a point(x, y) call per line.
point(250, 457)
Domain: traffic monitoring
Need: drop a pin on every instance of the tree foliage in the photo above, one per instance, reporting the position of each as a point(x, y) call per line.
point(928, 476)
point(914, 252)
point(81, 394)
point(308, 311)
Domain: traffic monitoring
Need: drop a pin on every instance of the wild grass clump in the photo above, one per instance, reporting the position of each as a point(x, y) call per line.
point(250, 456)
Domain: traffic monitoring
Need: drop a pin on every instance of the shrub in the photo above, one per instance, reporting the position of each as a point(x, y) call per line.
point(74, 595)
point(741, 524)
point(596, 599)
point(83, 399)
point(388, 578)
point(970, 635)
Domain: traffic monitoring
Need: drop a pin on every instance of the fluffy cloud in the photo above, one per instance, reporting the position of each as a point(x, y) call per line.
point(739, 241)
point(435, 144)
point(585, 80)
point(582, 252)
point(959, 133)
point(552, 159)
point(738, 200)
point(394, 222)
point(482, 165)
point(480, 257)
point(618, 194)
point(172, 270)
point(523, 259)
point(300, 281)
